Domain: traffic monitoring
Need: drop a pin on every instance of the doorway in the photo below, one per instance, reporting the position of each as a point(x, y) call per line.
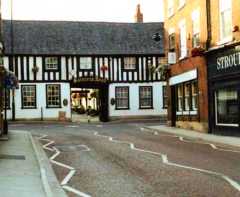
point(89, 101)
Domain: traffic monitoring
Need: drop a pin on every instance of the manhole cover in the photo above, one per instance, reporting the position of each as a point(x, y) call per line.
point(14, 157)
point(68, 148)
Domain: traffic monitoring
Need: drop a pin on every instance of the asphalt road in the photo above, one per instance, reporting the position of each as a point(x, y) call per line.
point(117, 169)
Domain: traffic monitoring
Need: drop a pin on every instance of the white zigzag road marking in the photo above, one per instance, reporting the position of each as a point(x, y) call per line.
point(190, 141)
point(72, 170)
point(165, 161)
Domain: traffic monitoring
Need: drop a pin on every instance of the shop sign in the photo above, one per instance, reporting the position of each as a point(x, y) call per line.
point(228, 61)
point(90, 79)
point(223, 62)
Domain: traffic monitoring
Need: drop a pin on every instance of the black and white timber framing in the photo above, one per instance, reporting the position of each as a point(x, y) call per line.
point(107, 44)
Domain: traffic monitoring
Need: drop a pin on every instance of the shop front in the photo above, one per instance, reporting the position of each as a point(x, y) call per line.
point(224, 90)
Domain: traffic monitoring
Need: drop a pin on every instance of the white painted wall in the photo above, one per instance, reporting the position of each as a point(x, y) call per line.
point(48, 113)
point(134, 100)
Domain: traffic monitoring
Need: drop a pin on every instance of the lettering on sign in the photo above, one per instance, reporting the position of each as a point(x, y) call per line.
point(228, 61)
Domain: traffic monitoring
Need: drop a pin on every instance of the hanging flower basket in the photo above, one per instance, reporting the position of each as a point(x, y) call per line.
point(104, 68)
point(35, 69)
point(198, 51)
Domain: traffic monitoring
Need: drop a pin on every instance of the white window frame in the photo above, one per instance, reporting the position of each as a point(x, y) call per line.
point(183, 39)
point(129, 63)
point(146, 95)
point(216, 115)
point(224, 5)
point(85, 63)
point(51, 96)
point(122, 95)
point(29, 93)
point(51, 63)
point(170, 8)
point(195, 26)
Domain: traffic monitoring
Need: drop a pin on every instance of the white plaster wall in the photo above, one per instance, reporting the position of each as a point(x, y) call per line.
point(134, 100)
point(48, 113)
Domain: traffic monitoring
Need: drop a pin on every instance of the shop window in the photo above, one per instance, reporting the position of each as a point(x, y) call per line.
point(129, 63)
point(165, 97)
point(51, 63)
point(85, 63)
point(7, 99)
point(28, 96)
point(122, 97)
point(53, 96)
point(226, 107)
point(194, 96)
point(145, 97)
point(179, 98)
point(187, 97)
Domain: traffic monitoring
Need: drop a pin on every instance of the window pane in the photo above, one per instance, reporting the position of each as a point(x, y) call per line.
point(227, 106)
point(51, 63)
point(85, 63)
point(28, 96)
point(53, 95)
point(129, 63)
point(122, 98)
point(145, 97)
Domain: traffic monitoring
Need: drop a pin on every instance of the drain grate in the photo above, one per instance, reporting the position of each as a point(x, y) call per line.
point(14, 157)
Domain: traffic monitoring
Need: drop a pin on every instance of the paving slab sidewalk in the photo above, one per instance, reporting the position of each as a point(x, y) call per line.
point(232, 141)
point(23, 169)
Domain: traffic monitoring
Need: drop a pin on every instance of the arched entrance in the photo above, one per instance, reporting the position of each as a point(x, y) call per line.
point(91, 86)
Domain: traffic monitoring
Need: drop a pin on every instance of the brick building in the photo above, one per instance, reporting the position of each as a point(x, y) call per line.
point(223, 60)
point(186, 38)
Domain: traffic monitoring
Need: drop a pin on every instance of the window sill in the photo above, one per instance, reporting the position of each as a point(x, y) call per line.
point(57, 107)
point(225, 40)
point(122, 108)
point(142, 108)
point(29, 107)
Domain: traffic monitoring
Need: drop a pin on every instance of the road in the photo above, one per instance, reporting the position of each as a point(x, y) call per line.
point(125, 160)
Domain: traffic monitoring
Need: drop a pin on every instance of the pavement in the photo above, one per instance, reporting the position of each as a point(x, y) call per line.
point(24, 168)
point(232, 141)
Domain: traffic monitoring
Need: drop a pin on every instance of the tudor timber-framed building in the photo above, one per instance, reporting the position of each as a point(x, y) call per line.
point(49, 58)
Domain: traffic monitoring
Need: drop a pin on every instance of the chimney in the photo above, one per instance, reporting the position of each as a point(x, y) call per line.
point(139, 16)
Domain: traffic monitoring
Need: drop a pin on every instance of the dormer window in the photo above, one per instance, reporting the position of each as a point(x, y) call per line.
point(129, 63)
point(85, 63)
point(51, 63)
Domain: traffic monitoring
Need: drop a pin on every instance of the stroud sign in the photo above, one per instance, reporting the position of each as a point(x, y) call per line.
point(223, 62)
point(228, 61)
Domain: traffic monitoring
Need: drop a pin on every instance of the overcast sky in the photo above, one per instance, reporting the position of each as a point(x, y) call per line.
point(83, 10)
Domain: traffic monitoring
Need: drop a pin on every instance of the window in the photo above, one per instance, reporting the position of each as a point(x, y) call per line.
point(122, 97)
point(53, 96)
point(181, 3)
point(183, 40)
point(170, 8)
point(187, 97)
point(225, 20)
point(28, 96)
point(196, 28)
point(194, 96)
point(7, 99)
point(129, 63)
point(145, 97)
point(85, 63)
point(51, 63)
point(179, 98)
point(226, 106)
point(171, 42)
point(165, 97)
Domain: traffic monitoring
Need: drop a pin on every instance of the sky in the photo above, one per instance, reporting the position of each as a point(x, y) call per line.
point(82, 10)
